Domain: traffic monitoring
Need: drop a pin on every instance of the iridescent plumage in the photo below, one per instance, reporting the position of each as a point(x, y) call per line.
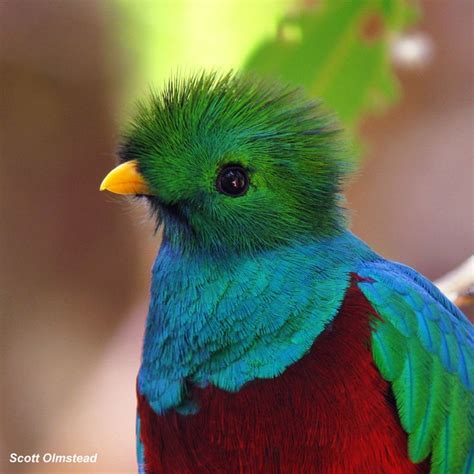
point(244, 288)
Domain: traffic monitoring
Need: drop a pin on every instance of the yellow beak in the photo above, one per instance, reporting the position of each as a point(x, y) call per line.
point(125, 179)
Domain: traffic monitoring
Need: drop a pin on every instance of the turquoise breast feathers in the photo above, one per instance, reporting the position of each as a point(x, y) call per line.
point(229, 320)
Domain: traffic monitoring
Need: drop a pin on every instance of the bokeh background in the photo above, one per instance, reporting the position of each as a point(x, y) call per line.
point(75, 263)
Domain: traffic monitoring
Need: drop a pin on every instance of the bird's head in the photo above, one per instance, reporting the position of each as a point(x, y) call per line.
point(233, 163)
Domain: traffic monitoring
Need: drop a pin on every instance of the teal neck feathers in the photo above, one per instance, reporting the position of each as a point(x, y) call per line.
point(230, 319)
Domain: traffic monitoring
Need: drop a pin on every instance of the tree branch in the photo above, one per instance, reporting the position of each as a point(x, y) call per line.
point(458, 284)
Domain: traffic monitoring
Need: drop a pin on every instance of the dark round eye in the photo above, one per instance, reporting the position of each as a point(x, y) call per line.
point(233, 180)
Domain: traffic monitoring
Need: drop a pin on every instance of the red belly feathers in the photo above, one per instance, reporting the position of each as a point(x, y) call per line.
point(329, 413)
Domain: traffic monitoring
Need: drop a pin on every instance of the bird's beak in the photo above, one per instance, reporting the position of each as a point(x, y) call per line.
point(125, 179)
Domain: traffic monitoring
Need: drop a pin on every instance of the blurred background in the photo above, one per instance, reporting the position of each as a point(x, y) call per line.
point(75, 263)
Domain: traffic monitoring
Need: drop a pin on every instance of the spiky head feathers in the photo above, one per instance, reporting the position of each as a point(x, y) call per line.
point(233, 162)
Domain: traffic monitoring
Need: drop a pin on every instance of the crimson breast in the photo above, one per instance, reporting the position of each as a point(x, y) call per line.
point(330, 412)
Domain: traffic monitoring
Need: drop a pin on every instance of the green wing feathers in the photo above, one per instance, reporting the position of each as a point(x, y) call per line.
point(424, 346)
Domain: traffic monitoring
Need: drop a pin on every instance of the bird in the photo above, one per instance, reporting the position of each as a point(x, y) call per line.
point(276, 340)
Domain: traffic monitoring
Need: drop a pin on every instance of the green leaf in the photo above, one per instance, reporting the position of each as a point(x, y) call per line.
point(340, 52)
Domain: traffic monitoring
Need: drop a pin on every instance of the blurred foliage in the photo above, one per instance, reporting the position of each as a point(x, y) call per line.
point(340, 51)
point(162, 37)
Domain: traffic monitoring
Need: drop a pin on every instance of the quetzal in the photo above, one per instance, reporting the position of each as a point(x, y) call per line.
point(277, 341)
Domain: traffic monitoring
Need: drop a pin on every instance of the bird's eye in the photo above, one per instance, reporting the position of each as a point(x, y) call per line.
point(233, 180)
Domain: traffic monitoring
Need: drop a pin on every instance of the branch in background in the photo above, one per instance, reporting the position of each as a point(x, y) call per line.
point(458, 285)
